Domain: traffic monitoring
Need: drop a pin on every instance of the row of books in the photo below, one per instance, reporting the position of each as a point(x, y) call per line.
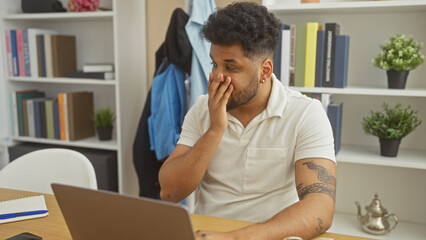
point(67, 117)
point(334, 112)
point(308, 56)
point(37, 52)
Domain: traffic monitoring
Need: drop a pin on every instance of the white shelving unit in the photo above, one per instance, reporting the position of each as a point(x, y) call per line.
point(116, 36)
point(348, 224)
point(361, 170)
point(63, 81)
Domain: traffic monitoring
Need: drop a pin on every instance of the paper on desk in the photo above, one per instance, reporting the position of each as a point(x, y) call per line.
point(33, 203)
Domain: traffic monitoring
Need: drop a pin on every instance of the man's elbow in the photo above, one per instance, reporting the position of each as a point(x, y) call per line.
point(165, 196)
point(170, 195)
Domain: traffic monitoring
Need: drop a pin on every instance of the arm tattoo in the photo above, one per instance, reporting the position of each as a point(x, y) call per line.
point(326, 186)
point(319, 229)
point(322, 173)
point(318, 188)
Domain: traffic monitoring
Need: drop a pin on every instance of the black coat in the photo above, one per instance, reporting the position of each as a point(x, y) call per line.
point(176, 49)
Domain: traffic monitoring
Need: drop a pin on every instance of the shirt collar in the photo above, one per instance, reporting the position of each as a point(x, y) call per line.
point(277, 99)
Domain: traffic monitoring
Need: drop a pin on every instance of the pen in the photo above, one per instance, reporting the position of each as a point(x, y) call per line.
point(20, 214)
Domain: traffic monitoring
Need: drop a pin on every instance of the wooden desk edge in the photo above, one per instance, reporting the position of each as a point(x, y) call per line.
point(54, 226)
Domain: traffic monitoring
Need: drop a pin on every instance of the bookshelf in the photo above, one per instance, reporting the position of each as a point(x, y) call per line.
point(361, 170)
point(116, 36)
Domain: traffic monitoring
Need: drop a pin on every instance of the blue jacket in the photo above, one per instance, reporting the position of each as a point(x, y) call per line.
point(168, 106)
point(200, 67)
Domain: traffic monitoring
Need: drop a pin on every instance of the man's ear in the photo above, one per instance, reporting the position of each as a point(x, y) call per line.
point(266, 69)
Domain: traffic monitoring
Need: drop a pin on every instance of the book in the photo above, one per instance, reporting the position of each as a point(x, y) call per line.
point(20, 49)
point(80, 111)
point(41, 56)
point(334, 113)
point(50, 128)
point(38, 121)
point(63, 116)
point(299, 80)
point(42, 111)
point(14, 120)
point(25, 116)
point(30, 112)
point(48, 55)
point(92, 75)
point(26, 53)
point(331, 30)
point(311, 51)
point(15, 63)
point(319, 58)
point(13, 112)
point(341, 62)
point(8, 52)
point(22, 209)
point(19, 98)
point(98, 67)
point(292, 53)
point(63, 55)
point(57, 131)
point(277, 55)
point(32, 46)
point(285, 57)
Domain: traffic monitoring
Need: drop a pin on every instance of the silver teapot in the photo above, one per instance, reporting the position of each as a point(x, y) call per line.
point(376, 221)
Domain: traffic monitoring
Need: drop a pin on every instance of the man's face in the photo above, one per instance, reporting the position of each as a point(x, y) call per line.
point(230, 61)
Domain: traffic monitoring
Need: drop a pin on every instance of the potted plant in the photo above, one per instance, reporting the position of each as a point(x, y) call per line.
point(104, 121)
point(400, 55)
point(391, 126)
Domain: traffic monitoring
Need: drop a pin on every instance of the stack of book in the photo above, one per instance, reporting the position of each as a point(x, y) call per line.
point(104, 71)
point(308, 56)
point(67, 117)
point(37, 52)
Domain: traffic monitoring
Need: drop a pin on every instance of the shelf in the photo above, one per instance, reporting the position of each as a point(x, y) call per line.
point(347, 7)
point(348, 224)
point(365, 91)
point(78, 81)
point(407, 158)
point(91, 142)
point(80, 16)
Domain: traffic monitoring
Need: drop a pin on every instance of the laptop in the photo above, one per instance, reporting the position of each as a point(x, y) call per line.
point(93, 214)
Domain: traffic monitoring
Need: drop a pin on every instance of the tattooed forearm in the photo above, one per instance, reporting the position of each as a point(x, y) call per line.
point(326, 186)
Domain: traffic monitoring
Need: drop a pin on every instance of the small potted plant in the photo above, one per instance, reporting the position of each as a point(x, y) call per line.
point(400, 55)
point(104, 121)
point(391, 126)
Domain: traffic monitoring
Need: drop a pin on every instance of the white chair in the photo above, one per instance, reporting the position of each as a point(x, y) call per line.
point(36, 170)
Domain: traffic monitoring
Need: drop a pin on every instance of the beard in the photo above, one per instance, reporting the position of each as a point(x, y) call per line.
point(243, 96)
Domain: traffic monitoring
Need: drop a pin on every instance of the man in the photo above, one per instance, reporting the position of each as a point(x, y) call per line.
point(256, 150)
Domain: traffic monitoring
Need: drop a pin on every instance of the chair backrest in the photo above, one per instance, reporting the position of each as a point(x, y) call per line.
point(36, 170)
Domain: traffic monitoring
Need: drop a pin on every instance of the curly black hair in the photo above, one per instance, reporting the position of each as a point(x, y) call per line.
point(245, 23)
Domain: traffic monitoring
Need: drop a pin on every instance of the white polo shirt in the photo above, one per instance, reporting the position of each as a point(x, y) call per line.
point(251, 176)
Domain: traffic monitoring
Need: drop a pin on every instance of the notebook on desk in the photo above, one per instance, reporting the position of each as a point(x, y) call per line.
point(23, 209)
point(92, 214)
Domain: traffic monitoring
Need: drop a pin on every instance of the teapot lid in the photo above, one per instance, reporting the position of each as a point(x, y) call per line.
point(376, 207)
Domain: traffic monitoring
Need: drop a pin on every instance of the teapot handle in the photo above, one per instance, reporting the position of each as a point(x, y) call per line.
point(396, 220)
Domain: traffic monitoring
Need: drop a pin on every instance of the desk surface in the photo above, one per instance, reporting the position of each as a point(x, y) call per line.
point(54, 227)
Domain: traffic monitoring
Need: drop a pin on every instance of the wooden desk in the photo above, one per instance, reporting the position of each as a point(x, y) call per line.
point(53, 226)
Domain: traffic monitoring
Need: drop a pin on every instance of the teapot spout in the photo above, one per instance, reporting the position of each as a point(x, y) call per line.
point(359, 210)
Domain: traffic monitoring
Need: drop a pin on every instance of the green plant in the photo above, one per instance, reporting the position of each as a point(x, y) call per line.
point(393, 123)
point(104, 118)
point(399, 54)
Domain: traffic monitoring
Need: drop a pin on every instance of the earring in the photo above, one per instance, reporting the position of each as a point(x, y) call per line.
point(263, 80)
